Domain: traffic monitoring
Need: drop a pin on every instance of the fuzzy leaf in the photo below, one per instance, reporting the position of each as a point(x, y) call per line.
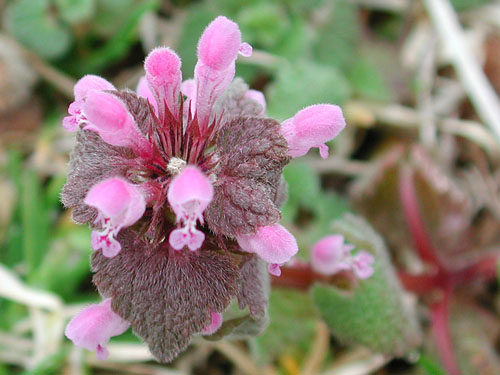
point(252, 153)
point(166, 295)
point(375, 314)
point(292, 326)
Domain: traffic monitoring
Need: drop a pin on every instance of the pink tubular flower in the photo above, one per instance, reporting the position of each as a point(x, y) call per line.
point(217, 51)
point(189, 194)
point(108, 117)
point(214, 325)
point(163, 74)
point(273, 244)
point(258, 97)
point(312, 127)
point(144, 91)
point(81, 89)
point(331, 255)
point(120, 205)
point(92, 328)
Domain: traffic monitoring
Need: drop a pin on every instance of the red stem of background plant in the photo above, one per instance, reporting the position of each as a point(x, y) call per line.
point(443, 279)
point(440, 327)
point(409, 201)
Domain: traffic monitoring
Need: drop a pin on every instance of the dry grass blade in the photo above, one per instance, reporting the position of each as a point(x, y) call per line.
point(239, 358)
point(318, 351)
point(357, 362)
point(467, 67)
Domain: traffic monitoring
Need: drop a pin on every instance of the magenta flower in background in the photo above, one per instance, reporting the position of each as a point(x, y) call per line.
point(182, 184)
point(331, 255)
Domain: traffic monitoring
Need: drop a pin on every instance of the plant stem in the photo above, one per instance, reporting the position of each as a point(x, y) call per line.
point(420, 236)
point(441, 330)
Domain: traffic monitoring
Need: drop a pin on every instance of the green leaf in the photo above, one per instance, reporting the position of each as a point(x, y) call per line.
point(462, 5)
point(75, 11)
point(303, 84)
point(338, 36)
point(35, 220)
point(120, 43)
point(51, 365)
point(291, 328)
point(367, 81)
point(429, 366)
point(375, 314)
point(263, 24)
point(109, 15)
point(66, 263)
point(31, 22)
point(303, 184)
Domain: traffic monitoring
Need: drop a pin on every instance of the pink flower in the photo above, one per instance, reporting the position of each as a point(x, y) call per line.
point(258, 97)
point(274, 269)
point(163, 74)
point(81, 90)
point(217, 51)
point(214, 325)
point(92, 328)
point(331, 255)
point(144, 91)
point(189, 194)
point(312, 127)
point(362, 265)
point(273, 244)
point(108, 117)
point(120, 204)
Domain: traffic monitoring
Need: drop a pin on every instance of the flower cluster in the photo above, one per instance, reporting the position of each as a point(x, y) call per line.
point(181, 182)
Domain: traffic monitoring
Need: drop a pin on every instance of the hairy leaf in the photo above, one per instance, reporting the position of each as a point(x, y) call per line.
point(252, 153)
point(375, 314)
point(166, 295)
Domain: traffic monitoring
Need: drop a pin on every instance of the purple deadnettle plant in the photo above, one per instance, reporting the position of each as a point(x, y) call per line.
point(182, 184)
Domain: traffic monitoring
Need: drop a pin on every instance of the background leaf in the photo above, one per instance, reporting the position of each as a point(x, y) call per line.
point(375, 314)
point(31, 22)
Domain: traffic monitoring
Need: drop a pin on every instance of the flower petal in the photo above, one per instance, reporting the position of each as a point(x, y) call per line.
point(118, 200)
point(163, 74)
point(191, 185)
point(258, 97)
point(92, 327)
point(363, 265)
point(312, 127)
point(217, 51)
point(144, 91)
point(88, 83)
point(214, 325)
point(219, 43)
point(328, 255)
point(273, 243)
point(108, 116)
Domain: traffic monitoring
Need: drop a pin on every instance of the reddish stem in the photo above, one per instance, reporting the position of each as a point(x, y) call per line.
point(441, 331)
point(298, 277)
point(420, 237)
point(421, 284)
point(485, 269)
